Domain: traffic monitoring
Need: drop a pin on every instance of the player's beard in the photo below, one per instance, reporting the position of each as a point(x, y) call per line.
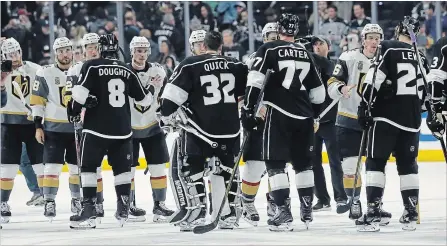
point(65, 61)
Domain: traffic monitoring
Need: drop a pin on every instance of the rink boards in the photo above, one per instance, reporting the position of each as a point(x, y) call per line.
point(429, 149)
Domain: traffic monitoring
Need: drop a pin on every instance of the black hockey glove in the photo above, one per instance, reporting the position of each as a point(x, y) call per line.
point(365, 121)
point(249, 121)
point(74, 111)
point(91, 101)
point(386, 90)
point(436, 124)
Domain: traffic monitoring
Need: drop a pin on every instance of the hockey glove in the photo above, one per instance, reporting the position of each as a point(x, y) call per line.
point(386, 90)
point(249, 121)
point(365, 121)
point(436, 124)
point(91, 101)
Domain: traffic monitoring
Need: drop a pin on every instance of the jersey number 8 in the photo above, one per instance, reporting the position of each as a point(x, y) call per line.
point(116, 89)
point(213, 88)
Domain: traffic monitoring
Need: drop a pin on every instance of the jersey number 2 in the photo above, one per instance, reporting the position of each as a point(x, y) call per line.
point(406, 84)
point(116, 89)
point(292, 66)
point(213, 88)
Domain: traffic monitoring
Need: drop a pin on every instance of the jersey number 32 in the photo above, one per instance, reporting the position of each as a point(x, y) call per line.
point(214, 88)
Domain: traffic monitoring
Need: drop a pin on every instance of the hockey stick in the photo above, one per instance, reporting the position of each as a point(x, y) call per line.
point(424, 78)
point(327, 109)
point(22, 98)
point(201, 229)
point(365, 131)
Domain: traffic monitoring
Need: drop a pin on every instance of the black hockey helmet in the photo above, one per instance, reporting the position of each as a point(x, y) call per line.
point(288, 24)
point(408, 22)
point(108, 46)
point(213, 40)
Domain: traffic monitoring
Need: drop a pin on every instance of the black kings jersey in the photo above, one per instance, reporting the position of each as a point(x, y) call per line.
point(398, 69)
point(295, 83)
point(112, 82)
point(209, 86)
point(438, 72)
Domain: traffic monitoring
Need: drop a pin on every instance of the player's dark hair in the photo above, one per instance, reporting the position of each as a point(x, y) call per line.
point(333, 7)
point(213, 40)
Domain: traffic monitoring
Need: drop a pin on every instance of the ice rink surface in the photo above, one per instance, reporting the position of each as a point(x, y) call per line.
point(28, 226)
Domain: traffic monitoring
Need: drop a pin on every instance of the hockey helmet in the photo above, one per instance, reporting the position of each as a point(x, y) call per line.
point(288, 24)
point(268, 28)
point(403, 27)
point(108, 46)
point(62, 43)
point(10, 45)
point(139, 42)
point(372, 28)
point(197, 36)
point(90, 38)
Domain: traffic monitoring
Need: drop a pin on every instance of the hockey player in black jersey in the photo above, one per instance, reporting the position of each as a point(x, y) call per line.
point(104, 87)
point(397, 85)
point(293, 95)
point(208, 86)
point(438, 89)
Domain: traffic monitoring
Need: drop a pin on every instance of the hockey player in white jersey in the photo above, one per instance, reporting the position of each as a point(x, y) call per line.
point(48, 103)
point(90, 49)
point(254, 167)
point(148, 133)
point(17, 125)
point(346, 78)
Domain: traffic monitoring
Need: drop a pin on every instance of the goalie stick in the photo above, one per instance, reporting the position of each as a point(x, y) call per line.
point(201, 229)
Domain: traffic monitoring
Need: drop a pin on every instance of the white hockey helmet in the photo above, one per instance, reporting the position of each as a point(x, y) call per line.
point(139, 42)
point(62, 43)
point(197, 36)
point(10, 45)
point(372, 28)
point(90, 38)
point(268, 28)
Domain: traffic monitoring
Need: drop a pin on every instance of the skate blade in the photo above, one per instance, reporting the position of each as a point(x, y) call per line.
point(50, 219)
point(5, 219)
point(306, 224)
point(322, 209)
point(374, 227)
point(84, 225)
point(282, 228)
point(409, 226)
point(137, 218)
point(251, 222)
point(161, 219)
point(384, 221)
point(121, 221)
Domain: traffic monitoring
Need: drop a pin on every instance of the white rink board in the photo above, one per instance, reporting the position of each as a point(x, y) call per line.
point(28, 225)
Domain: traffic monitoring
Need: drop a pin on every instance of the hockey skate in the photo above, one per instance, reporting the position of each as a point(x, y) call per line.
point(5, 212)
point(320, 206)
point(282, 221)
point(306, 210)
point(355, 211)
point(50, 210)
point(342, 207)
point(200, 220)
point(250, 214)
point(161, 212)
point(385, 217)
point(370, 222)
point(36, 200)
point(136, 214)
point(86, 218)
point(99, 212)
point(229, 221)
point(122, 210)
point(410, 215)
point(76, 205)
point(271, 207)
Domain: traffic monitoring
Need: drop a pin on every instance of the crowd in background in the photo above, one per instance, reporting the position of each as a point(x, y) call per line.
point(163, 25)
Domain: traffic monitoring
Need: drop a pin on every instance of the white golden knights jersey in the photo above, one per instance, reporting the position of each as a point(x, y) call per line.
point(438, 72)
point(74, 72)
point(350, 69)
point(144, 121)
point(398, 68)
point(14, 111)
point(48, 99)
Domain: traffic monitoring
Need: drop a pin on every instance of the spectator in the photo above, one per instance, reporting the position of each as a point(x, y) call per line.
point(424, 41)
point(430, 22)
point(131, 29)
point(242, 34)
point(334, 29)
point(17, 28)
point(109, 27)
point(360, 19)
point(230, 48)
point(167, 30)
point(322, 14)
point(195, 9)
point(166, 57)
point(227, 14)
point(41, 44)
point(99, 21)
point(419, 11)
point(76, 34)
point(207, 18)
point(154, 46)
point(77, 54)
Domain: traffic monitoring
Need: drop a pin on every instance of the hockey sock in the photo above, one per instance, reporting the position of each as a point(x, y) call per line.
point(158, 181)
point(251, 179)
point(7, 174)
point(349, 166)
point(39, 171)
point(279, 184)
point(305, 184)
point(375, 183)
point(52, 171)
point(89, 184)
point(74, 182)
point(409, 189)
point(123, 184)
point(99, 188)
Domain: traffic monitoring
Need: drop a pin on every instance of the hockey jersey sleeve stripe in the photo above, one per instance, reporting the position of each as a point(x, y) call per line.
point(334, 88)
point(80, 94)
point(175, 94)
point(367, 84)
point(317, 95)
point(255, 79)
point(37, 100)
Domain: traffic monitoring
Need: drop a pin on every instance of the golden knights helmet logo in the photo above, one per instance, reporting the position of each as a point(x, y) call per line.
point(24, 84)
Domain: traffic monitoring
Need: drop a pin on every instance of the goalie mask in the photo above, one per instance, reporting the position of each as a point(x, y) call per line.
point(403, 27)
